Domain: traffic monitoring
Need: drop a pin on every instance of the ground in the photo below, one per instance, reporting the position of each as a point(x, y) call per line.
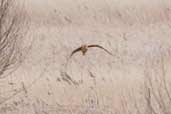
point(137, 33)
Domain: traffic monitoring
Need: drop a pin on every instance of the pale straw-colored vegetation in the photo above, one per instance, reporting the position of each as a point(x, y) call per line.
point(37, 77)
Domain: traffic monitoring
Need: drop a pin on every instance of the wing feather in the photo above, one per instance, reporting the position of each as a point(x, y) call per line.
point(76, 50)
point(94, 45)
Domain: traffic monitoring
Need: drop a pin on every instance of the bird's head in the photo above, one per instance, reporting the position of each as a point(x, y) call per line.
point(84, 46)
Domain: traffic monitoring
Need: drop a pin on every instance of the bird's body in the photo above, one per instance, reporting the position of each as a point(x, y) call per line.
point(84, 48)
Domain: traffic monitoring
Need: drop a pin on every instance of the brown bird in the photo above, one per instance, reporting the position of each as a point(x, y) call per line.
point(84, 48)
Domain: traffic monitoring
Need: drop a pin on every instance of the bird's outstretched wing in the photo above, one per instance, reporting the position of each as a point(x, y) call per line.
point(76, 50)
point(89, 46)
point(73, 52)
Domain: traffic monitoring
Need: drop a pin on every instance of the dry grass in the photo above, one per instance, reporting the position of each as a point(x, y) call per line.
point(136, 80)
point(11, 36)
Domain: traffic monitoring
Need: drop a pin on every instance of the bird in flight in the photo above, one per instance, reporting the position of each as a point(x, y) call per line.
point(84, 48)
